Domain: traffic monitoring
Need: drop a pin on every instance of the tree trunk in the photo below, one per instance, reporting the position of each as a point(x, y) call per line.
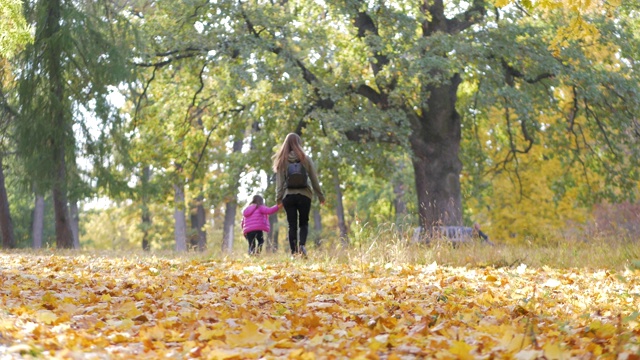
point(198, 238)
point(75, 224)
point(146, 225)
point(229, 226)
point(53, 68)
point(64, 235)
point(342, 225)
point(38, 222)
point(317, 226)
point(272, 236)
point(146, 214)
point(8, 239)
point(230, 213)
point(180, 227)
point(436, 127)
point(399, 204)
point(435, 142)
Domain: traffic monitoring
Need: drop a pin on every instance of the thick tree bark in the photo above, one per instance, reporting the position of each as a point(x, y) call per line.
point(180, 225)
point(8, 239)
point(38, 222)
point(435, 142)
point(198, 238)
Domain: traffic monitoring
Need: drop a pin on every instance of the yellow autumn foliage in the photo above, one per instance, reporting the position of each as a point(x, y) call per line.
point(524, 203)
point(575, 11)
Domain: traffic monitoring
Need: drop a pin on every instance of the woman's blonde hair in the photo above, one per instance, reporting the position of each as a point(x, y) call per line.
point(292, 142)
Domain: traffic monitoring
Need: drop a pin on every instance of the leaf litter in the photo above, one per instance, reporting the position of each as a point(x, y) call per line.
point(106, 307)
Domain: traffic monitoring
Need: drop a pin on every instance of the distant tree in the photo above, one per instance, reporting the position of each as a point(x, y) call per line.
point(66, 73)
point(14, 35)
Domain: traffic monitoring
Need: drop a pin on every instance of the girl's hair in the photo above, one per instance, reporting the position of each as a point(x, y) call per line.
point(257, 199)
point(292, 142)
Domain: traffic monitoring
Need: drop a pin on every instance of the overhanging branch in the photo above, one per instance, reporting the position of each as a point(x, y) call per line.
point(472, 16)
point(365, 25)
point(511, 73)
point(173, 55)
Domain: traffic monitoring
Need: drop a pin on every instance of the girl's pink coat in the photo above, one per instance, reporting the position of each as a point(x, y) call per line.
point(256, 218)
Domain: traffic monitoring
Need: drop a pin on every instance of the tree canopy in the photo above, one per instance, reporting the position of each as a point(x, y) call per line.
point(519, 115)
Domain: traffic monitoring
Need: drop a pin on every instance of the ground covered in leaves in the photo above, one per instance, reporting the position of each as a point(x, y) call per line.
point(144, 307)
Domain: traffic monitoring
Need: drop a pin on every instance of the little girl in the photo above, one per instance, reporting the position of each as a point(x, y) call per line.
point(255, 220)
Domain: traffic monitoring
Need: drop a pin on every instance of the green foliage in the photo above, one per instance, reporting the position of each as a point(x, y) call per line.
point(117, 228)
point(14, 30)
point(89, 58)
point(266, 69)
point(209, 74)
point(575, 108)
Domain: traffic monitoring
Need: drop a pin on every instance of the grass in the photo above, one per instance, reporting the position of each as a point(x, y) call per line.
point(599, 254)
point(388, 246)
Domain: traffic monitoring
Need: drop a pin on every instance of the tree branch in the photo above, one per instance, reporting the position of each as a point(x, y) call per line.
point(307, 75)
point(577, 154)
point(511, 73)
point(168, 61)
point(206, 143)
point(6, 107)
point(195, 95)
point(369, 93)
point(574, 109)
point(601, 127)
point(472, 16)
point(144, 94)
point(362, 134)
point(365, 25)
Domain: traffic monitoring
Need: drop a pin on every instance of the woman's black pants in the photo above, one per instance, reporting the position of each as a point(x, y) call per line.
point(297, 207)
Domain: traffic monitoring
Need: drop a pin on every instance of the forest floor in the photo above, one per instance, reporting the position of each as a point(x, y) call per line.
point(109, 306)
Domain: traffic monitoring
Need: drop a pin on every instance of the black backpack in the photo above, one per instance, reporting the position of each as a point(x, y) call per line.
point(296, 176)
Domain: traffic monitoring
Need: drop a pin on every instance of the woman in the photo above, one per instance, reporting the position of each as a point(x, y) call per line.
point(296, 199)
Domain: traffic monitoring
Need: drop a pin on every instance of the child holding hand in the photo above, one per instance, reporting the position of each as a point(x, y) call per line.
point(255, 220)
